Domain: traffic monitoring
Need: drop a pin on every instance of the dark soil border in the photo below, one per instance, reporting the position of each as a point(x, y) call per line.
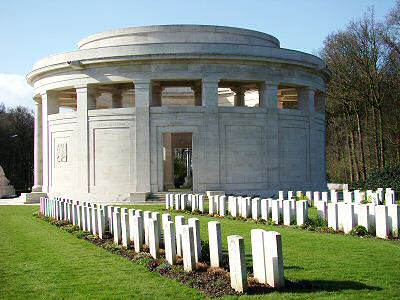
point(212, 282)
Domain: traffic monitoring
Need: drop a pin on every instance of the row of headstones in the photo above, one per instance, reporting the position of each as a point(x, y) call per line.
point(140, 227)
point(289, 210)
point(383, 219)
point(376, 197)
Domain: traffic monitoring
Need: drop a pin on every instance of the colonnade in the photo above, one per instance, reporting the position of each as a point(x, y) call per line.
point(147, 94)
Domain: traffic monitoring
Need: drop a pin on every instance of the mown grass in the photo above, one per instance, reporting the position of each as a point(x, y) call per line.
point(323, 265)
point(38, 260)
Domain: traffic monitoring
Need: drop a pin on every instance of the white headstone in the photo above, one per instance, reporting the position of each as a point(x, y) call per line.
point(215, 243)
point(117, 226)
point(287, 216)
point(363, 216)
point(325, 197)
point(275, 211)
point(189, 261)
point(333, 216)
point(237, 263)
point(322, 209)
point(138, 232)
point(101, 223)
point(222, 205)
point(211, 205)
point(154, 242)
point(393, 219)
point(125, 234)
point(264, 209)
point(170, 242)
point(316, 198)
point(201, 203)
point(195, 224)
point(334, 196)
point(301, 212)
point(348, 218)
point(234, 207)
point(146, 218)
point(179, 222)
point(255, 208)
point(274, 259)
point(381, 219)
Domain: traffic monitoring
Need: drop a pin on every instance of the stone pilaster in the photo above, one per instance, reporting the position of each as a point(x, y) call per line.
point(210, 170)
point(38, 145)
point(85, 101)
point(142, 153)
point(49, 106)
point(306, 102)
point(269, 99)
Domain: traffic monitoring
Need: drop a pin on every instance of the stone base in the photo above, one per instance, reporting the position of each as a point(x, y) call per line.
point(215, 193)
point(6, 190)
point(139, 197)
point(33, 197)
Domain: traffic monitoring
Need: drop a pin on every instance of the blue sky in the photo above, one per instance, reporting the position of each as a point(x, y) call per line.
point(31, 29)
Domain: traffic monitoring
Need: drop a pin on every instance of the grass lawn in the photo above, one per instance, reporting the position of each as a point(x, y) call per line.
point(38, 260)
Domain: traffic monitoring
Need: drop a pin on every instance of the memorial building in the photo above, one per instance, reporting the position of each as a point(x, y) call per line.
point(245, 115)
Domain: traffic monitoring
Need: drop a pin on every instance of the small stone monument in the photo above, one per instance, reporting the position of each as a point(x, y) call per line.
point(5, 188)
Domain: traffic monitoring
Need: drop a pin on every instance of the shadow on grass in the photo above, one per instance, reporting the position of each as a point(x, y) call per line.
point(310, 286)
point(293, 268)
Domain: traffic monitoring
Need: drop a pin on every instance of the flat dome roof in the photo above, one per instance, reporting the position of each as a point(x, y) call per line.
point(178, 34)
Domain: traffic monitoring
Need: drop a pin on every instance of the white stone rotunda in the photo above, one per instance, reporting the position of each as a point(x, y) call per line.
point(110, 116)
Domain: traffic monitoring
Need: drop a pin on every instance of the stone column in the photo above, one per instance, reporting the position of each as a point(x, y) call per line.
point(116, 99)
point(306, 99)
point(268, 95)
point(38, 154)
point(142, 153)
point(210, 92)
point(320, 103)
point(197, 95)
point(168, 161)
point(85, 101)
point(239, 97)
point(49, 106)
point(156, 92)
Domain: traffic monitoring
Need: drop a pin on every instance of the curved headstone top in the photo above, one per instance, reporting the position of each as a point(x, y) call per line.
point(200, 34)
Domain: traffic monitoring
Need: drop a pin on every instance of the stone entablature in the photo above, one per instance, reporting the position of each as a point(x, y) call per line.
point(123, 88)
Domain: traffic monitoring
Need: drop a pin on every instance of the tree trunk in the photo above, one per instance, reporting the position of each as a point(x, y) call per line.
point(361, 141)
point(382, 142)
point(377, 147)
point(354, 154)
point(350, 149)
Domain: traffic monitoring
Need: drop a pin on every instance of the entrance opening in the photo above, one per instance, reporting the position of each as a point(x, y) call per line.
point(177, 161)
